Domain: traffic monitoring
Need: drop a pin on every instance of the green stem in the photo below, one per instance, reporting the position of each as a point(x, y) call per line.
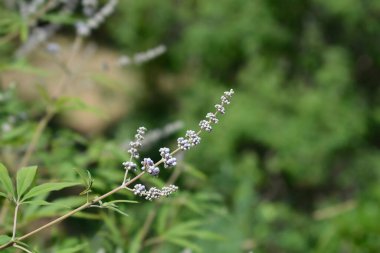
point(21, 248)
point(15, 221)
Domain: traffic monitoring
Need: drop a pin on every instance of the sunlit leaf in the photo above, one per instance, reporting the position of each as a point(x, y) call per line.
point(5, 180)
point(25, 177)
point(46, 188)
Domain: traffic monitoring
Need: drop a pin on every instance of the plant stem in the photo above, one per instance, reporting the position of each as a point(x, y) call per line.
point(15, 221)
point(21, 248)
point(36, 136)
point(80, 208)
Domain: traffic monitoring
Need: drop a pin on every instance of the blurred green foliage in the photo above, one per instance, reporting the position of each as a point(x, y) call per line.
point(294, 165)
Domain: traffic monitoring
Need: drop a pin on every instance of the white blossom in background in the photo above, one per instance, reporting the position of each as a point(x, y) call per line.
point(142, 57)
point(84, 28)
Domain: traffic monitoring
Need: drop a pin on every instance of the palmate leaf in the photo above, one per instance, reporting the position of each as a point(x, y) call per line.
point(25, 177)
point(46, 188)
point(6, 182)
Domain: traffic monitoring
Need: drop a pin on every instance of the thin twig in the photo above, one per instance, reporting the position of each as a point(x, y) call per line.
point(21, 248)
point(36, 136)
point(15, 221)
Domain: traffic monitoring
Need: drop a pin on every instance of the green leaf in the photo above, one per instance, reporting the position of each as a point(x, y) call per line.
point(86, 178)
point(25, 178)
point(184, 243)
point(83, 175)
point(122, 201)
point(4, 239)
point(116, 210)
point(2, 194)
point(40, 202)
point(46, 188)
point(182, 228)
point(193, 171)
point(6, 181)
point(73, 249)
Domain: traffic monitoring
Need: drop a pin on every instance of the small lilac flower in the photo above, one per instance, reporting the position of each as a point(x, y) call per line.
point(153, 193)
point(137, 143)
point(139, 189)
point(205, 125)
point(169, 160)
point(192, 137)
point(183, 143)
point(154, 171)
point(167, 190)
point(129, 166)
point(220, 108)
point(147, 163)
point(212, 118)
point(164, 152)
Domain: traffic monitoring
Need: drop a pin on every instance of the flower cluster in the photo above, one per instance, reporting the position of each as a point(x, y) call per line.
point(139, 189)
point(130, 166)
point(205, 125)
point(134, 145)
point(211, 118)
point(169, 160)
point(225, 100)
point(191, 139)
point(84, 28)
point(153, 192)
point(149, 167)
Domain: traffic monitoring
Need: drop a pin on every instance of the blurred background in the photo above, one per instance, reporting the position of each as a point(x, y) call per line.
point(293, 165)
